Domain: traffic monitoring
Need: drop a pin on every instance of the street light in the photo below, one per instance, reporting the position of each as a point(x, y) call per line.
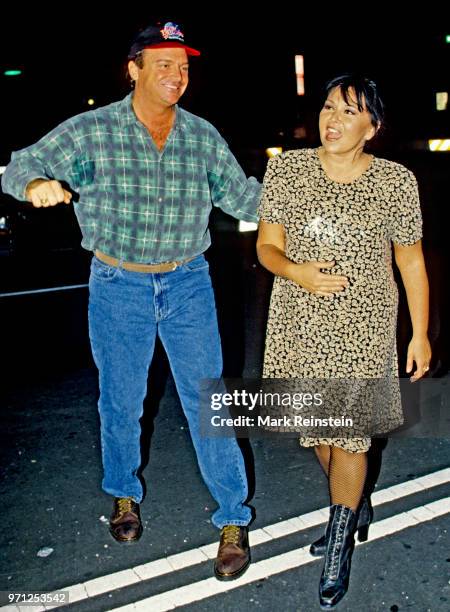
point(300, 74)
point(272, 151)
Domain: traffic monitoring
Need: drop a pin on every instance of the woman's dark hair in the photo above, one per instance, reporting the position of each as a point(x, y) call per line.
point(365, 90)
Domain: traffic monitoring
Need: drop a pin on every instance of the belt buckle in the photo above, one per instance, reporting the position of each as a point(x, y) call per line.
point(175, 266)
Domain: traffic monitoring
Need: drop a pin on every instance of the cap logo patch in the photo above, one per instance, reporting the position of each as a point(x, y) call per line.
point(171, 31)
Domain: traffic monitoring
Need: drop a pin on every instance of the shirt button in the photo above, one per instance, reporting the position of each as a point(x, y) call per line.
point(159, 199)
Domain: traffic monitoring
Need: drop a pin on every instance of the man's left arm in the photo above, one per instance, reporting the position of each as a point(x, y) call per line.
point(230, 189)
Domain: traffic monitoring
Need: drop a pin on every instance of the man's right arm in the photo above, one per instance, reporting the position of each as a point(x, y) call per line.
point(35, 173)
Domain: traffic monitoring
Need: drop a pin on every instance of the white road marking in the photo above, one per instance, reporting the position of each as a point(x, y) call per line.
point(47, 290)
point(267, 567)
point(196, 591)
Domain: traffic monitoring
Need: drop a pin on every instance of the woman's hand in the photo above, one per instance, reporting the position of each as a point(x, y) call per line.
point(419, 351)
point(270, 247)
point(410, 262)
point(309, 276)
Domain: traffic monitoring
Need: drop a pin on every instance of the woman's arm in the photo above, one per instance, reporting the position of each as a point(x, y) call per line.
point(410, 262)
point(270, 247)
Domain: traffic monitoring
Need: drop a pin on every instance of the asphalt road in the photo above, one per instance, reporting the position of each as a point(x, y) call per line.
point(51, 474)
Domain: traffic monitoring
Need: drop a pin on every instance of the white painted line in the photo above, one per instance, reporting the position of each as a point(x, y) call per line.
point(153, 569)
point(434, 479)
point(186, 559)
point(385, 496)
point(296, 524)
point(203, 589)
point(421, 514)
point(259, 536)
point(439, 507)
point(210, 550)
point(412, 486)
point(47, 290)
point(77, 592)
point(317, 517)
point(281, 529)
point(98, 586)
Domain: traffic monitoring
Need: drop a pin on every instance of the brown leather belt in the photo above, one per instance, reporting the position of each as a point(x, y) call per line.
point(168, 266)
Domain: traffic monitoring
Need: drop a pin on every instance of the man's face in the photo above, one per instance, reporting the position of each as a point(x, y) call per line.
point(164, 76)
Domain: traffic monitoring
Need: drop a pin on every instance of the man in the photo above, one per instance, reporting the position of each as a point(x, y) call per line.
point(147, 173)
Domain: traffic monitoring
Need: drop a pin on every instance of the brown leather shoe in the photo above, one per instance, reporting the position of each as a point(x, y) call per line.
point(233, 556)
point(125, 522)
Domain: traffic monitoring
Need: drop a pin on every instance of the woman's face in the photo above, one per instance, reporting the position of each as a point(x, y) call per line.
point(343, 127)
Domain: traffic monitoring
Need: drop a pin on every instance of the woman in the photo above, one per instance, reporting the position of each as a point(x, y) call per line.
point(328, 219)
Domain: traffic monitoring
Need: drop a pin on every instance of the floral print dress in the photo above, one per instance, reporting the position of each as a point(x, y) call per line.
point(353, 334)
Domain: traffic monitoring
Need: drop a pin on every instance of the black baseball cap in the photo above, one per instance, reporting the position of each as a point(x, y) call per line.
point(157, 37)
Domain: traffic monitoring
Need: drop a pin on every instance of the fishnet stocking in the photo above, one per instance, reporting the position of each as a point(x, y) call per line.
point(346, 475)
point(323, 455)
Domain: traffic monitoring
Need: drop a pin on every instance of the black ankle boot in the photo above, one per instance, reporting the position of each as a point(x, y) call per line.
point(335, 576)
point(365, 516)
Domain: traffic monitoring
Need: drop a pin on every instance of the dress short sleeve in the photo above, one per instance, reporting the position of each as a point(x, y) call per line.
point(274, 194)
point(406, 221)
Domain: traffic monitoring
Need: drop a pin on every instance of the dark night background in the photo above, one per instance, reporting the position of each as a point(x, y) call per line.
point(244, 82)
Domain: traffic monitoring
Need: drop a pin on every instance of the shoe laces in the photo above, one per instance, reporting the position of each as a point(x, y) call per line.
point(230, 534)
point(333, 556)
point(125, 504)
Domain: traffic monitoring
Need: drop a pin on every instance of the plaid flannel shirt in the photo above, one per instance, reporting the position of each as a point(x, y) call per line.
point(137, 203)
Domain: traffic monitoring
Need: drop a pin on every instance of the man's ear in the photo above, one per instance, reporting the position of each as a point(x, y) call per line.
point(133, 70)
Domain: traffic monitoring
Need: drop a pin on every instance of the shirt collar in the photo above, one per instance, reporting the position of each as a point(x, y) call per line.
point(129, 116)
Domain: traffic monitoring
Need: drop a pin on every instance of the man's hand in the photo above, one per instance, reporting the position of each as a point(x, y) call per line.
point(309, 276)
point(42, 192)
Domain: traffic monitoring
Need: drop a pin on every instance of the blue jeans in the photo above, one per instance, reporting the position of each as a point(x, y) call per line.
point(126, 312)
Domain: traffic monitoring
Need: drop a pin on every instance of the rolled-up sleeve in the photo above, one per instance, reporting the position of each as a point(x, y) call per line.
point(272, 206)
point(49, 158)
point(230, 189)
